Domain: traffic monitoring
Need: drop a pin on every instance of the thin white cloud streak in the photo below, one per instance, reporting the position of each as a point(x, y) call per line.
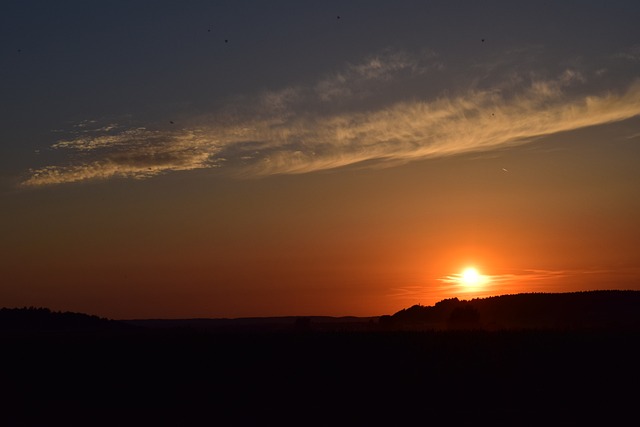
point(282, 135)
point(631, 54)
point(499, 284)
point(525, 277)
point(354, 80)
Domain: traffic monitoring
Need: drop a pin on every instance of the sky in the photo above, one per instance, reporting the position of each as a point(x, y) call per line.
point(182, 159)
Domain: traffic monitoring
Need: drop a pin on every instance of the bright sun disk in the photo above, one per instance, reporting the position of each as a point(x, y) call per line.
point(471, 277)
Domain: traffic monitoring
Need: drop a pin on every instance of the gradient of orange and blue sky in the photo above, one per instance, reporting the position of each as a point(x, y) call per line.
point(243, 158)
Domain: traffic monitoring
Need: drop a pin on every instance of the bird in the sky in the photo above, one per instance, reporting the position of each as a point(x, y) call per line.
point(226, 40)
point(482, 40)
point(171, 121)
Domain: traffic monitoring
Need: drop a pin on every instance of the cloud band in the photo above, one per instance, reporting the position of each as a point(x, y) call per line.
point(280, 136)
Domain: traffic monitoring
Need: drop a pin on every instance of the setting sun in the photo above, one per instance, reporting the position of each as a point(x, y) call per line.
point(471, 277)
point(471, 281)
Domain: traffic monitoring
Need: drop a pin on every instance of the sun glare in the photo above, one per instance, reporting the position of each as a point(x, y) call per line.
point(471, 277)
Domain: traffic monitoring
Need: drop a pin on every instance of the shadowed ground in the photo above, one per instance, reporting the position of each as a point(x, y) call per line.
point(459, 363)
point(186, 377)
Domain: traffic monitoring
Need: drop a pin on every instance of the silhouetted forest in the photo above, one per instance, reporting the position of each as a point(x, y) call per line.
point(606, 309)
point(545, 360)
point(43, 319)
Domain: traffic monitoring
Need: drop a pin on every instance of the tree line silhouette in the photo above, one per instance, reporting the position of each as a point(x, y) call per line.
point(603, 309)
point(399, 370)
point(44, 319)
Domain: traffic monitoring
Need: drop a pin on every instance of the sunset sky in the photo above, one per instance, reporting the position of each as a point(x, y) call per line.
point(178, 159)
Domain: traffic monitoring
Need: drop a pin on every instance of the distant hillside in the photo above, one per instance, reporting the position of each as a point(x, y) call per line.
point(606, 309)
point(45, 320)
point(261, 324)
point(574, 310)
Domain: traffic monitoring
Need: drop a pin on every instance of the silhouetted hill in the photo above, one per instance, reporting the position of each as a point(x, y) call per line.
point(359, 372)
point(39, 319)
point(605, 309)
point(261, 324)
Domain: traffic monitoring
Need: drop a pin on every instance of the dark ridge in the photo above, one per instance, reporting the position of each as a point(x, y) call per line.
point(601, 309)
point(348, 375)
point(40, 319)
point(260, 324)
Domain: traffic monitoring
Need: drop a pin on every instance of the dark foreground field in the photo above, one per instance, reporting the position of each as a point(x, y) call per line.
point(180, 377)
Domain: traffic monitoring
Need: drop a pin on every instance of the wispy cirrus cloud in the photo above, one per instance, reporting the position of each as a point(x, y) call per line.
point(534, 280)
point(630, 54)
point(130, 153)
point(296, 129)
point(489, 282)
point(356, 79)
